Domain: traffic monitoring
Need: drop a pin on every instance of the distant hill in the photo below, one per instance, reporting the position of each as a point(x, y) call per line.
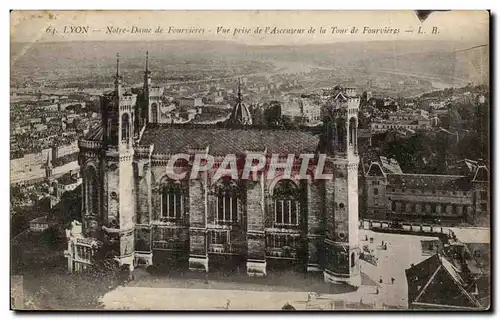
point(74, 58)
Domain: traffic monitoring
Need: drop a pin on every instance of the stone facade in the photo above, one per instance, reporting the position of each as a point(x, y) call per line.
point(415, 197)
point(208, 223)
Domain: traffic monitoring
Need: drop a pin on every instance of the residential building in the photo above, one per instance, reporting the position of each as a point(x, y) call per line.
point(392, 194)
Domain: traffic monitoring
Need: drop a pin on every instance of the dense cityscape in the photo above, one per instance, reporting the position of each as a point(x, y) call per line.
point(423, 171)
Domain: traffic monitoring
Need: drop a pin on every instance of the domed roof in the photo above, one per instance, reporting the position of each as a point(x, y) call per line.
point(241, 115)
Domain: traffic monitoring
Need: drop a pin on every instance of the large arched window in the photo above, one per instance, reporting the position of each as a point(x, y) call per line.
point(172, 202)
point(433, 208)
point(227, 197)
point(125, 127)
point(352, 132)
point(154, 113)
point(91, 192)
point(113, 131)
point(341, 134)
point(286, 203)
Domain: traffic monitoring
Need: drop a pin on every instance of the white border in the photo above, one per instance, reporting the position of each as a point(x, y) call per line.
point(211, 5)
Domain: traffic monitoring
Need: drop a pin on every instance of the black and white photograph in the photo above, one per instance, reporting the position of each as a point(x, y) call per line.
point(250, 160)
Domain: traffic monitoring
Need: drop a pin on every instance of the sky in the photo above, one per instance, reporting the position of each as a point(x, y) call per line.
point(29, 26)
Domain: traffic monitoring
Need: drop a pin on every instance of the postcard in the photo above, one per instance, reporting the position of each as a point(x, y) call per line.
point(250, 160)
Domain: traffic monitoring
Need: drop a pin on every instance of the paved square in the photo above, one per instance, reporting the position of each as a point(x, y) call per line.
point(167, 293)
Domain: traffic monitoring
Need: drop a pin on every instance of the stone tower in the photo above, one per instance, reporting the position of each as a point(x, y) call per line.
point(118, 207)
point(48, 168)
point(152, 96)
point(342, 220)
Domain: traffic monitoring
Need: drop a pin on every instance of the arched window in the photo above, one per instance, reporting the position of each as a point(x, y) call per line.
point(428, 208)
point(433, 208)
point(375, 191)
point(92, 192)
point(286, 203)
point(353, 137)
point(393, 206)
point(227, 202)
point(341, 134)
point(353, 262)
point(113, 131)
point(125, 127)
point(172, 203)
point(154, 113)
point(408, 207)
point(449, 209)
point(329, 128)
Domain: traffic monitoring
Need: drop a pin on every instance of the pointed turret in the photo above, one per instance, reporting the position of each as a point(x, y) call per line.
point(147, 74)
point(48, 167)
point(239, 90)
point(118, 77)
point(240, 114)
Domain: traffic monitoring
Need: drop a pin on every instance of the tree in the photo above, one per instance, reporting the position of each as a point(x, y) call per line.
point(69, 208)
point(363, 121)
point(414, 154)
point(272, 114)
point(18, 223)
point(52, 237)
point(257, 114)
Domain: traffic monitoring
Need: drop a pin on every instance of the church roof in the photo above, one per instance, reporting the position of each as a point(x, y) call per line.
point(436, 283)
point(375, 170)
point(482, 174)
point(96, 133)
point(169, 139)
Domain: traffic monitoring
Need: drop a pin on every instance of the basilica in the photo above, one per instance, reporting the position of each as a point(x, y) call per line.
point(133, 213)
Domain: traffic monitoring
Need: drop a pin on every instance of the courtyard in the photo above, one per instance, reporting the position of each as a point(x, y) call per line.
point(50, 287)
point(239, 292)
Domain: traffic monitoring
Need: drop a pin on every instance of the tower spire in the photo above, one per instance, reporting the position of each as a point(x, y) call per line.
point(147, 73)
point(117, 65)
point(118, 78)
point(239, 90)
point(48, 168)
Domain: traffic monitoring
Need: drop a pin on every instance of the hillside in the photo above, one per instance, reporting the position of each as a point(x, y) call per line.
point(80, 60)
